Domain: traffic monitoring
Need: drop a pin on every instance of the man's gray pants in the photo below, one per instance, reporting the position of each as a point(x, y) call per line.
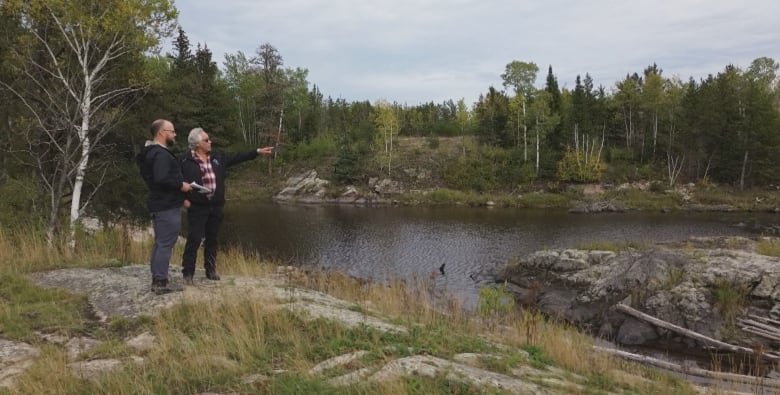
point(167, 224)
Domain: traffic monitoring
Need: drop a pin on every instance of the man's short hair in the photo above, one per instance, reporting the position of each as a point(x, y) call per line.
point(157, 125)
point(194, 138)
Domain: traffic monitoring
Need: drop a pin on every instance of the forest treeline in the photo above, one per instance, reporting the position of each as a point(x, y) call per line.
point(80, 82)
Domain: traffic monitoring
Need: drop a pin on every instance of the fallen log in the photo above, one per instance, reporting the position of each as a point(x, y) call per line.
point(759, 325)
point(762, 333)
point(691, 334)
point(731, 377)
point(765, 320)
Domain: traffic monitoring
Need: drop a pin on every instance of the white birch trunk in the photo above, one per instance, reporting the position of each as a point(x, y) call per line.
point(525, 135)
point(390, 152)
point(742, 176)
point(655, 131)
point(537, 146)
point(78, 185)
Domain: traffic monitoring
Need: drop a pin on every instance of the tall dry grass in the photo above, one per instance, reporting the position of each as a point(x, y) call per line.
point(26, 249)
point(212, 345)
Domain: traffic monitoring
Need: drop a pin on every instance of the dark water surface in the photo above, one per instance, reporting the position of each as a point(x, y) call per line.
point(397, 242)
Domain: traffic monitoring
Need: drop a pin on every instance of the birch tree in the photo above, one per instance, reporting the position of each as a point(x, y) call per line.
point(652, 96)
point(544, 120)
point(521, 76)
point(464, 120)
point(72, 57)
point(627, 98)
point(386, 122)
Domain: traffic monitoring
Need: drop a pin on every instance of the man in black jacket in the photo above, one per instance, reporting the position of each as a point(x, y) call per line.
point(161, 171)
point(204, 215)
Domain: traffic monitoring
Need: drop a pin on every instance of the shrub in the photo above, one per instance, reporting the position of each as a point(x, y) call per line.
point(470, 173)
point(729, 298)
point(347, 167)
point(495, 301)
point(17, 196)
point(578, 167)
point(318, 147)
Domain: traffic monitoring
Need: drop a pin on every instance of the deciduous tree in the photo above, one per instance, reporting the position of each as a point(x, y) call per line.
point(74, 57)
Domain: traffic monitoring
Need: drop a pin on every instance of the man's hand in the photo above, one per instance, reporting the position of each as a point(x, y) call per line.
point(186, 187)
point(186, 203)
point(265, 150)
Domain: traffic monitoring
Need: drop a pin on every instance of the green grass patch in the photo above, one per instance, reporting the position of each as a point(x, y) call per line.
point(644, 200)
point(545, 200)
point(614, 246)
point(537, 356)
point(768, 247)
point(504, 364)
point(25, 308)
point(729, 298)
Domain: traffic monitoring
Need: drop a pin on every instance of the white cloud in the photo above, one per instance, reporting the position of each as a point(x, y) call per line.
point(420, 50)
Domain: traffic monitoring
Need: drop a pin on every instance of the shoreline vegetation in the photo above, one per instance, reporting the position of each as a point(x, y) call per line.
point(573, 197)
point(441, 175)
point(209, 345)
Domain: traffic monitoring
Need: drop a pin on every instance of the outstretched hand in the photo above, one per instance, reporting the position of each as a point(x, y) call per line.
point(265, 150)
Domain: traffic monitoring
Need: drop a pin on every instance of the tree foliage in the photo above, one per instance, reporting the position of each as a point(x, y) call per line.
point(56, 53)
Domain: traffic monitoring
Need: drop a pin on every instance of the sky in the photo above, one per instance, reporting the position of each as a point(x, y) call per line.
point(417, 51)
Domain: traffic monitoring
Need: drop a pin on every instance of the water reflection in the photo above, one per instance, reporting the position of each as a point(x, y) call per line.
point(390, 242)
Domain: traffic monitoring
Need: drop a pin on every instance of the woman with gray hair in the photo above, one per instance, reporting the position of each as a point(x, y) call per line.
point(204, 214)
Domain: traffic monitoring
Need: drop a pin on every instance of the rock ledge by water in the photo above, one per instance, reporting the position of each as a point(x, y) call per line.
point(698, 284)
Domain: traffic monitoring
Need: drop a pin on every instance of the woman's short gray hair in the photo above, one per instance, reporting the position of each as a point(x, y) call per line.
point(194, 138)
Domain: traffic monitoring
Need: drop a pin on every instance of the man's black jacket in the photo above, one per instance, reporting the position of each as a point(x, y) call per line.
point(219, 164)
point(161, 171)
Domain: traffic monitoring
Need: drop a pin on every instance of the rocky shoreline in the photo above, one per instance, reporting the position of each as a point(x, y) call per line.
point(309, 188)
point(703, 284)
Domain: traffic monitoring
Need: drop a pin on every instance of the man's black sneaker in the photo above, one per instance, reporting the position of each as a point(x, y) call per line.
point(160, 286)
point(212, 275)
point(188, 280)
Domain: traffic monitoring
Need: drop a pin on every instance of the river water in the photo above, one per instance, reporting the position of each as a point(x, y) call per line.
point(379, 243)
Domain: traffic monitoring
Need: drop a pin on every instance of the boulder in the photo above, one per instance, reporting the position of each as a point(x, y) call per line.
point(387, 186)
point(635, 332)
point(597, 207)
point(673, 282)
point(15, 358)
point(306, 187)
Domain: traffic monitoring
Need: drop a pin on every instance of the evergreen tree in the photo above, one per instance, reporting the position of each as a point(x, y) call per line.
point(492, 116)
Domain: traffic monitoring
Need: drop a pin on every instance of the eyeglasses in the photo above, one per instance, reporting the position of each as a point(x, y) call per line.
point(206, 140)
point(169, 130)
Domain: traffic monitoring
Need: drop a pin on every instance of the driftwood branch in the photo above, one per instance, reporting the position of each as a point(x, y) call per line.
point(731, 377)
point(760, 326)
point(762, 333)
point(691, 334)
point(765, 320)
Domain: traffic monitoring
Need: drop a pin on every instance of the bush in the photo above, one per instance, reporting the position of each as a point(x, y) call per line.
point(470, 173)
point(318, 147)
point(495, 301)
point(488, 169)
point(347, 168)
point(17, 201)
point(619, 155)
point(574, 167)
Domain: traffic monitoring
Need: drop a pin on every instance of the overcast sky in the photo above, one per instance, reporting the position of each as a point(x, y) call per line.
point(414, 51)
